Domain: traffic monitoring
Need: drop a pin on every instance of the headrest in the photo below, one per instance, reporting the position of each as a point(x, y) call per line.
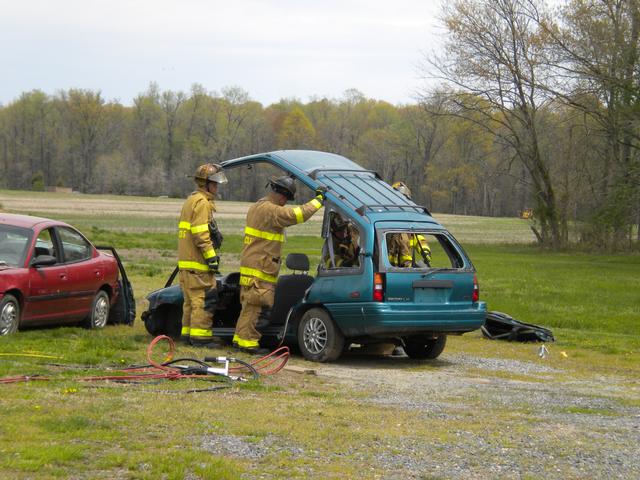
point(297, 261)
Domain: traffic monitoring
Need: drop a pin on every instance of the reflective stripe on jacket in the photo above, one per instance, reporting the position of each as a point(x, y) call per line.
point(194, 243)
point(421, 247)
point(264, 236)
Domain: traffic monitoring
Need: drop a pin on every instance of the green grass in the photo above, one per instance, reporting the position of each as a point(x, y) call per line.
point(67, 428)
point(573, 291)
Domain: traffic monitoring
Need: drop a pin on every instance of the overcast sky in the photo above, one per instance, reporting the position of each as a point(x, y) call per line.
point(272, 48)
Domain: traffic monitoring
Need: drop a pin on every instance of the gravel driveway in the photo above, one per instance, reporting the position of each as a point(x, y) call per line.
point(525, 419)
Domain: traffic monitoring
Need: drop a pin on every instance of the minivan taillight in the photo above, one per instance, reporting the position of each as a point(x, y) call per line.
point(476, 289)
point(378, 287)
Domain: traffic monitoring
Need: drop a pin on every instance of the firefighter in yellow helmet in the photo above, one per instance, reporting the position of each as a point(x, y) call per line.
point(261, 255)
point(403, 249)
point(402, 188)
point(198, 260)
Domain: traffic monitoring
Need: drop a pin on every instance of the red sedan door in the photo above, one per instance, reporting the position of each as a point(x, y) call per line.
point(48, 284)
point(84, 269)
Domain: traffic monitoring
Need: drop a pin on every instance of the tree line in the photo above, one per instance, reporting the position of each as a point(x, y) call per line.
point(534, 108)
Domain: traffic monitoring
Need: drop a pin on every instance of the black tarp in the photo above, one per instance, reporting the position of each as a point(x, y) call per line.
point(500, 326)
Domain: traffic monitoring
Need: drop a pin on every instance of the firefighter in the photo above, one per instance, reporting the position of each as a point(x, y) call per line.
point(402, 188)
point(260, 258)
point(404, 249)
point(198, 261)
point(420, 248)
point(344, 238)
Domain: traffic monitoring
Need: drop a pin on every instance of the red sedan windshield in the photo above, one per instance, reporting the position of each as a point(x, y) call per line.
point(14, 242)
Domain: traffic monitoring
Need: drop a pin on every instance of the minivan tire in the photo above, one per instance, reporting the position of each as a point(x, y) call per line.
point(421, 349)
point(319, 339)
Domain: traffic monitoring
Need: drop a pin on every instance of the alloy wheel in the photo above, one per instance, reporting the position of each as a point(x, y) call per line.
point(101, 311)
point(8, 318)
point(315, 335)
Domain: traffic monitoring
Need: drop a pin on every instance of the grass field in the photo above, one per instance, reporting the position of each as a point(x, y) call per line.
point(65, 428)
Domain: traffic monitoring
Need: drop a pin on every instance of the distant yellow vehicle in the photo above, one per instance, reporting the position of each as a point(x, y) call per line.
point(526, 214)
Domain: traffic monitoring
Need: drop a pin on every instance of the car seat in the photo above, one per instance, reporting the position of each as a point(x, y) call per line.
point(42, 251)
point(290, 288)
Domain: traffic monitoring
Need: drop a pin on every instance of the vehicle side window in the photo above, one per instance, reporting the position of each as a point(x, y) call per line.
point(74, 246)
point(14, 244)
point(420, 250)
point(45, 245)
point(342, 247)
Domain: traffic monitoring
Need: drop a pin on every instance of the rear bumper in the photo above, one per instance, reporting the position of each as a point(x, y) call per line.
point(395, 319)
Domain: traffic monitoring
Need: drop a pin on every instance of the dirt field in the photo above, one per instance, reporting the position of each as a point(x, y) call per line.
point(98, 205)
point(467, 229)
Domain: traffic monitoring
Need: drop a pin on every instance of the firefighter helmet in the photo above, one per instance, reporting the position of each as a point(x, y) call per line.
point(284, 185)
point(403, 189)
point(338, 223)
point(340, 228)
point(211, 172)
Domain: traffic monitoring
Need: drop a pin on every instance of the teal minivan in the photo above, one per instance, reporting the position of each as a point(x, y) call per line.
point(373, 298)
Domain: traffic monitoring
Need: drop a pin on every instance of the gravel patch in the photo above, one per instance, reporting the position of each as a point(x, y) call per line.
point(457, 361)
point(540, 424)
point(248, 446)
point(563, 428)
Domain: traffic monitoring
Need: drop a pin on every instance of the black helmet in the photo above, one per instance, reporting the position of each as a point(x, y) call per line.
point(338, 223)
point(284, 185)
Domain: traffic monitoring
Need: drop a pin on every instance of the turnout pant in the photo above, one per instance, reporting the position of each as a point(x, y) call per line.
point(197, 323)
point(254, 298)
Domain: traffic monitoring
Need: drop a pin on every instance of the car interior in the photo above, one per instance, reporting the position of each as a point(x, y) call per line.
point(289, 290)
point(45, 244)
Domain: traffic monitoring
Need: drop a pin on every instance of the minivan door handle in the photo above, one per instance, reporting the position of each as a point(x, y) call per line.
point(433, 284)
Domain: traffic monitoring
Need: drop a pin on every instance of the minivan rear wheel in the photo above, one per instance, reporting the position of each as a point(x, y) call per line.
point(319, 339)
point(421, 348)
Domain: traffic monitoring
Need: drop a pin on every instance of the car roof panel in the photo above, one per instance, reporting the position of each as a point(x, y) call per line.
point(26, 221)
point(356, 186)
point(299, 162)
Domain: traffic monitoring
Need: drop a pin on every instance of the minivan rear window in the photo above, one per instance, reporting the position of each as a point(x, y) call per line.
point(421, 250)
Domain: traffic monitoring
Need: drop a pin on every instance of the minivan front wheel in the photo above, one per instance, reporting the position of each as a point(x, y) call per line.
point(318, 337)
point(421, 348)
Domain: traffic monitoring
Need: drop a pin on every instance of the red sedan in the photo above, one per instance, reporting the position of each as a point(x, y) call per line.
point(51, 274)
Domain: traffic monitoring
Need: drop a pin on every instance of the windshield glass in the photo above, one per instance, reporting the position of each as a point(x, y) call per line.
point(14, 242)
point(422, 250)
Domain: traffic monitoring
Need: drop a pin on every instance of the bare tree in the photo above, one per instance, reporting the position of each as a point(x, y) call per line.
point(494, 56)
point(596, 61)
point(171, 102)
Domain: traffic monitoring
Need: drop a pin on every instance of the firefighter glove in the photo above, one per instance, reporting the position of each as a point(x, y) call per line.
point(214, 264)
point(321, 193)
